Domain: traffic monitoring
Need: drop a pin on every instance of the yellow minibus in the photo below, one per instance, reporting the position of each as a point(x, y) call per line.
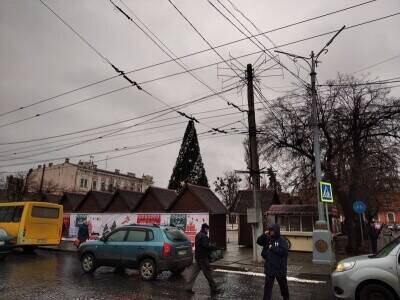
point(32, 223)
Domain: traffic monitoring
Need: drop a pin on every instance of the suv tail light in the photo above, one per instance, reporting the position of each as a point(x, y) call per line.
point(166, 250)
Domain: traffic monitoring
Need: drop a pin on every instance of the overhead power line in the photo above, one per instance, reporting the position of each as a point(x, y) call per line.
point(185, 56)
point(167, 50)
point(116, 69)
point(377, 64)
point(39, 147)
point(118, 156)
point(245, 55)
point(263, 49)
point(180, 106)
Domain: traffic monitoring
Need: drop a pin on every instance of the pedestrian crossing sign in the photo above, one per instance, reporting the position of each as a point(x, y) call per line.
point(326, 192)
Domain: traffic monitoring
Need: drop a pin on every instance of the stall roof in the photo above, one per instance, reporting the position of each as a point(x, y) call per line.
point(205, 200)
point(297, 209)
point(245, 200)
point(101, 201)
point(131, 199)
point(164, 199)
point(71, 201)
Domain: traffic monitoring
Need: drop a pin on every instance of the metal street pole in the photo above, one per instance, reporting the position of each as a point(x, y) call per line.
point(317, 152)
point(322, 237)
point(257, 227)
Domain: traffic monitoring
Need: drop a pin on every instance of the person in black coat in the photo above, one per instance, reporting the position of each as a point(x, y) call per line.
point(374, 231)
point(201, 253)
point(83, 232)
point(275, 254)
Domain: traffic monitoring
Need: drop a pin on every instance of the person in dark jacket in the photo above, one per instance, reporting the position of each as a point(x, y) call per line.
point(202, 250)
point(83, 232)
point(275, 254)
point(374, 231)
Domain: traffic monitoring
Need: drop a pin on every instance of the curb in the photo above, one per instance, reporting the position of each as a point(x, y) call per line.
point(306, 276)
point(57, 249)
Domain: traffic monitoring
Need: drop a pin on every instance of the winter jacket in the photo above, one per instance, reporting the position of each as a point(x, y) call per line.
point(202, 246)
point(374, 232)
point(275, 252)
point(83, 233)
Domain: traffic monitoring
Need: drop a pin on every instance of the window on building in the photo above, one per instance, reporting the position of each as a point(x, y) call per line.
point(82, 182)
point(94, 185)
point(85, 183)
point(294, 223)
point(110, 187)
point(307, 223)
point(271, 219)
point(391, 217)
point(283, 222)
point(103, 186)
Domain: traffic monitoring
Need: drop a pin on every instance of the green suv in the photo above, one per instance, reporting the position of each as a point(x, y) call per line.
point(151, 249)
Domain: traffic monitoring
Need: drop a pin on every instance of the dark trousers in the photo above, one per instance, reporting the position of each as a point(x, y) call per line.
point(194, 270)
point(374, 245)
point(269, 284)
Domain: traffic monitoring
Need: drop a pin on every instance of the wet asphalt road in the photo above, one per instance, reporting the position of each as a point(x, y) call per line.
point(57, 275)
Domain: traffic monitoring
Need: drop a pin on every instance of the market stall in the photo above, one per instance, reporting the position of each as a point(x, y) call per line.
point(297, 223)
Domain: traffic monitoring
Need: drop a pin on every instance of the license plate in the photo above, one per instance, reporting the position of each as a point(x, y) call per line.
point(41, 241)
point(1, 243)
point(182, 252)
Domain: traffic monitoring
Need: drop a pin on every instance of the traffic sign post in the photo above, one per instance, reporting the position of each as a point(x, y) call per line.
point(326, 196)
point(359, 208)
point(326, 193)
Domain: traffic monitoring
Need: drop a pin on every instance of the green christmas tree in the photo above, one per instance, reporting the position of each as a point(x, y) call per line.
point(189, 166)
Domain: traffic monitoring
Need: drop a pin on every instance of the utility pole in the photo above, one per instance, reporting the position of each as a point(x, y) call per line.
point(254, 215)
point(317, 151)
point(322, 236)
point(42, 179)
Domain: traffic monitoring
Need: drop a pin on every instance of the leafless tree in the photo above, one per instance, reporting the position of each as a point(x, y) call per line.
point(359, 123)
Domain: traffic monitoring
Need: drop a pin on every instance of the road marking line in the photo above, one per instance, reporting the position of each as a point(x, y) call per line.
point(289, 278)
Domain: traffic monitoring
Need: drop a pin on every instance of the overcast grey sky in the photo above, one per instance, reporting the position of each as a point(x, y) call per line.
point(40, 57)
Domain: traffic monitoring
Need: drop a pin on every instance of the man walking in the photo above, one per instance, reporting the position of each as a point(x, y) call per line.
point(275, 253)
point(202, 250)
point(83, 232)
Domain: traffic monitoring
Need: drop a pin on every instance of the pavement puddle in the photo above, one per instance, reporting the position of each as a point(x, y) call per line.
point(289, 278)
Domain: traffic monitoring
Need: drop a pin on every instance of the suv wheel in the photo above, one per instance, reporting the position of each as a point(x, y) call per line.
point(147, 269)
point(88, 263)
point(376, 292)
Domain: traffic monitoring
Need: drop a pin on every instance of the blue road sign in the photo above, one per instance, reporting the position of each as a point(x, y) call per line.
point(326, 192)
point(359, 207)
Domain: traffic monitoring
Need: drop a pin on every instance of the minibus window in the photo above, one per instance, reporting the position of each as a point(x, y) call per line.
point(45, 212)
point(11, 214)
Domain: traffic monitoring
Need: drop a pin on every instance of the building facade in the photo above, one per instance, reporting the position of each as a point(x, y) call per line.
point(83, 177)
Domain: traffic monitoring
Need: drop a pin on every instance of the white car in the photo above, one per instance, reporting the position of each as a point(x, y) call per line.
point(369, 277)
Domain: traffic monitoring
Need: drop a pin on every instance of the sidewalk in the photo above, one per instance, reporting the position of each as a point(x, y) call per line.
point(299, 263)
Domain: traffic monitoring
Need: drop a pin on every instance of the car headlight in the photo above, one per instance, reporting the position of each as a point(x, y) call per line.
point(345, 266)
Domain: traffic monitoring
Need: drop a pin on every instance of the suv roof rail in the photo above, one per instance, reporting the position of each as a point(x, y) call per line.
point(144, 225)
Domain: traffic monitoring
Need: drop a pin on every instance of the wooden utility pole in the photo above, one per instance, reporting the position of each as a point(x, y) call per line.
point(255, 217)
point(41, 180)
